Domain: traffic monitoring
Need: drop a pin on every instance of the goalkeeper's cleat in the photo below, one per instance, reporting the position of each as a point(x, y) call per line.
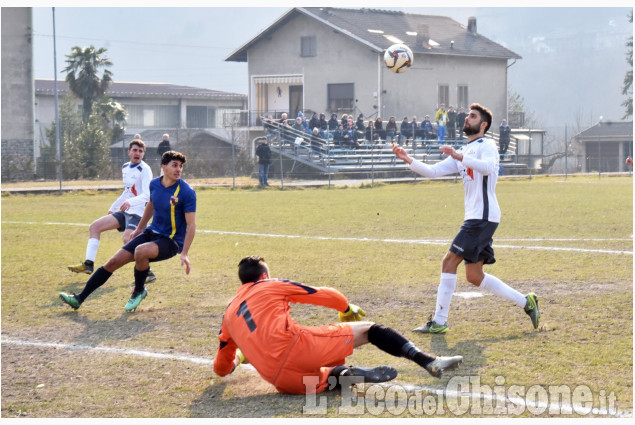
point(373, 374)
point(432, 327)
point(135, 300)
point(151, 277)
point(531, 308)
point(71, 300)
point(85, 267)
point(439, 365)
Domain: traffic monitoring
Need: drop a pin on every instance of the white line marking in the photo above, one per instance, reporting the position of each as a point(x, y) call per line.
point(408, 241)
point(468, 295)
point(209, 362)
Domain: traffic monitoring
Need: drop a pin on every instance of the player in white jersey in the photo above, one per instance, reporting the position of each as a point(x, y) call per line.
point(477, 164)
point(125, 213)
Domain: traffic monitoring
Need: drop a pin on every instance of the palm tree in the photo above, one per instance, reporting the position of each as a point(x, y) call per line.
point(82, 76)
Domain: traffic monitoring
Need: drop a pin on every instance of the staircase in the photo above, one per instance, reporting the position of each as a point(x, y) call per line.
point(330, 158)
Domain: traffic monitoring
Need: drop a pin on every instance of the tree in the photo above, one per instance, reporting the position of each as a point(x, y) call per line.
point(628, 78)
point(83, 78)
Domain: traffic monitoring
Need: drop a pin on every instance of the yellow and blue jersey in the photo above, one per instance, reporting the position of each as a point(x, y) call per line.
point(170, 205)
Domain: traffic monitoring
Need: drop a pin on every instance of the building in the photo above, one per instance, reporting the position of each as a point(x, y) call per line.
point(150, 106)
point(330, 60)
point(18, 155)
point(605, 146)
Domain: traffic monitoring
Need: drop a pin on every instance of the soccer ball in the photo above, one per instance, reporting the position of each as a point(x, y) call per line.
point(398, 58)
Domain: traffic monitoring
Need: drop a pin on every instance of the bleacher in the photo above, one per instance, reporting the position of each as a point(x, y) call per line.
point(331, 157)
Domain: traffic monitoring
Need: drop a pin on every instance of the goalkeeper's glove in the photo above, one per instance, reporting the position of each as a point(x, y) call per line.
point(352, 314)
point(241, 356)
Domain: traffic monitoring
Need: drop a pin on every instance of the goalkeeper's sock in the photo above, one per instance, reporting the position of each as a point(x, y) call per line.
point(446, 288)
point(392, 342)
point(97, 279)
point(498, 287)
point(140, 279)
point(91, 249)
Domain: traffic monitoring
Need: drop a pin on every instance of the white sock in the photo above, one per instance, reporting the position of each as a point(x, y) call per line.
point(499, 288)
point(91, 249)
point(447, 285)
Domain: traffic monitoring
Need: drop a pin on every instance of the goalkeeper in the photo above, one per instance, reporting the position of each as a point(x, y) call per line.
point(257, 328)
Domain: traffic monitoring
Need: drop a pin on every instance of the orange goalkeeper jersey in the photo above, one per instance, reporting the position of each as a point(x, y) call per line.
point(258, 321)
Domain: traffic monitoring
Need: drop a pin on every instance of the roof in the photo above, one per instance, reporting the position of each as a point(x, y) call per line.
point(145, 90)
point(609, 129)
point(374, 27)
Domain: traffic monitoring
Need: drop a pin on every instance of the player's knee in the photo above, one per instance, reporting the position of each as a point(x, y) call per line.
point(474, 277)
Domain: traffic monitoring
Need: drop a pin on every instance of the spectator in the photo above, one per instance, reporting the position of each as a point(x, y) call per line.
point(317, 142)
point(324, 125)
point(406, 131)
point(371, 134)
point(391, 129)
point(441, 118)
point(460, 121)
point(314, 121)
point(164, 145)
point(333, 122)
point(349, 138)
point(298, 124)
point(415, 129)
point(426, 128)
point(264, 160)
point(379, 128)
point(451, 126)
point(344, 120)
point(305, 124)
point(503, 137)
point(338, 135)
point(629, 161)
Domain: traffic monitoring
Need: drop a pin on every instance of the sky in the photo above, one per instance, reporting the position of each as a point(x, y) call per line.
point(572, 67)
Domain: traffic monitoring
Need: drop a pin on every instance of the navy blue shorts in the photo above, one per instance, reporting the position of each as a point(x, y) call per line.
point(126, 221)
point(168, 248)
point(474, 241)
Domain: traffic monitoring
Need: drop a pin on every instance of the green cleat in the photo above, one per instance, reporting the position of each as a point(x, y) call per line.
point(432, 327)
point(151, 277)
point(84, 267)
point(135, 300)
point(70, 300)
point(441, 364)
point(531, 308)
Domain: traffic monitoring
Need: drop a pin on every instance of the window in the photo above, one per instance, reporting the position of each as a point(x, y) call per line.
point(157, 116)
point(444, 95)
point(340, 96)
point(308, 46)
point(462, 99)
point(197, 117)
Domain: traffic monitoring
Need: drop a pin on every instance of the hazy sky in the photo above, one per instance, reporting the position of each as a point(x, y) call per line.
point(573, 59)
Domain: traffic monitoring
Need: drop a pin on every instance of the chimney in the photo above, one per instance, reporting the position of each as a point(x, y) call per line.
point(471, 24)
point(423, 35)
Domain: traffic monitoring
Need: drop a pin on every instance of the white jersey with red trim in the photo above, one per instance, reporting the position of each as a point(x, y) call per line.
point(479, 171)
point(136, 188)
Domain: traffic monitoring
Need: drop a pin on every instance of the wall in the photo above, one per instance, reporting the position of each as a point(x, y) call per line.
point(17, 94)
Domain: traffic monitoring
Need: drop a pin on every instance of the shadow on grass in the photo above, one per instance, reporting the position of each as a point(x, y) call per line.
point(472, 350)
point(96, 332)
point(214, 404)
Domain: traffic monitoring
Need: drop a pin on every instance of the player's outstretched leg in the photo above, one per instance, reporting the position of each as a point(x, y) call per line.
point(392, 342)
point(531, 308)
point(85, 267)
point(71, 300)
point(135, 300)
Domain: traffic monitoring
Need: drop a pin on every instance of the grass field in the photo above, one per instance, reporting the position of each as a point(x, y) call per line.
point(569, 241)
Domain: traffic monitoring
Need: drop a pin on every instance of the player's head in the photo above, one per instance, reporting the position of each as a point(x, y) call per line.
point(136, 150)
point(170, 156)
point(252, 268)
point(137, 142)
point(486, 114)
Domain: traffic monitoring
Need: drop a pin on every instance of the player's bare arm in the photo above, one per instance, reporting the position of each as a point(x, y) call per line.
point(190, 219)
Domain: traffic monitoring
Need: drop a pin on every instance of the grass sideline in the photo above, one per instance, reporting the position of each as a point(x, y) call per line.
point(585, 296)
